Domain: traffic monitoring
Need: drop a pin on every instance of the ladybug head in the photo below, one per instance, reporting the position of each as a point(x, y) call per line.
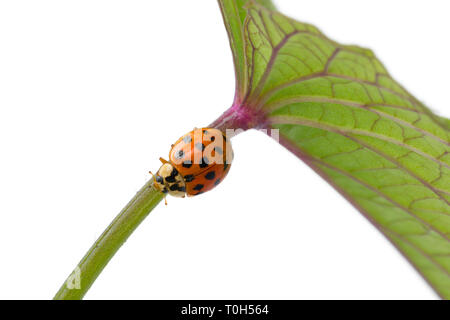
point(169, 181)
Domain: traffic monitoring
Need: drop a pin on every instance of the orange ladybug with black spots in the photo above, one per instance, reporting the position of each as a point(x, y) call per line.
point(197, 163)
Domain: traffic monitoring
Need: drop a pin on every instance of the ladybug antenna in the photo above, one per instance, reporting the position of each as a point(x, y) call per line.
point(153, 176)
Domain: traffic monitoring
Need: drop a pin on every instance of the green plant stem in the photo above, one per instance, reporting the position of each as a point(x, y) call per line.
point(109, 242)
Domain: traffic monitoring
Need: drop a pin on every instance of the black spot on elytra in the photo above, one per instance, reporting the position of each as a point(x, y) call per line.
point(218, 150)
point(187, 164)
point(189, 178)
point(204, 163)
point(187, 139)
point(200, 146)
point(210, 175)
point(179, 154)
point(174, 187)
point(198, 187)
point(217, 182)
point(182, 189)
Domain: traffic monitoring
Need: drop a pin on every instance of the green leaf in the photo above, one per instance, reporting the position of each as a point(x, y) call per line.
point(234, 14)
point(339, 110)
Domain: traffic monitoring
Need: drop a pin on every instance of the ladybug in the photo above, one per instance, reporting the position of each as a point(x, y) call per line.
point(198, 162)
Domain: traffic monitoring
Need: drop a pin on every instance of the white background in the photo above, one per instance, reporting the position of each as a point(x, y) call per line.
point(92, 93)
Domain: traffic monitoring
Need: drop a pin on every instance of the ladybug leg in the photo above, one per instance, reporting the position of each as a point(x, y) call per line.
point(165, 201)
point(164, 161)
